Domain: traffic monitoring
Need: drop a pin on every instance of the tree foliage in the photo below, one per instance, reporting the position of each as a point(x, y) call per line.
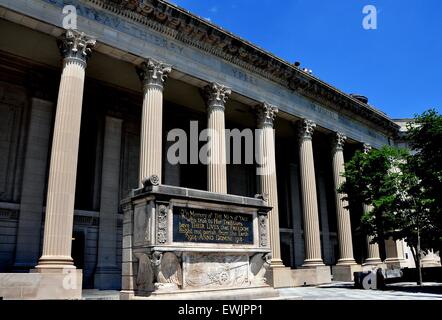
point(402, 188)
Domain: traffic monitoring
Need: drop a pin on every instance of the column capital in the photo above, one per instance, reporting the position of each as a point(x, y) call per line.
point(339, 141)
point(216, 95)
point(266, 114)
point(76, 46)
point(153, 73)
point(306, 129)
point(366, 147)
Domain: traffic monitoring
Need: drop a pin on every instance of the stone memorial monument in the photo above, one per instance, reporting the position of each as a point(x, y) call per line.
point(181, 243)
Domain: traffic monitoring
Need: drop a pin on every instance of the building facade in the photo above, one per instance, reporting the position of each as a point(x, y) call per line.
point(85, 116)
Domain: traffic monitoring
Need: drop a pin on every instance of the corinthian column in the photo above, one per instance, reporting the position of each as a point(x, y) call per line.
point(216, 96)
point(342, 214)
point(153, 75)
point(266, 172)
point(75, 48)
point(309, 198)
point(373, 255)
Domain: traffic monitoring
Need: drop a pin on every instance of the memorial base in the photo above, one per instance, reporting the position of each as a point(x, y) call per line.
point(264, 292)
point(190, 244)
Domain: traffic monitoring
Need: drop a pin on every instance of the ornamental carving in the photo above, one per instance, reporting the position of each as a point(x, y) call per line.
point(339, 141)
point(367, 148)
point(153, 73)
point(162, 224)
point(259, 264)
point(216, 95)
point(76, 46)
point(167, 271)
point(262, 220)
point(266, 114)
point(306, 129)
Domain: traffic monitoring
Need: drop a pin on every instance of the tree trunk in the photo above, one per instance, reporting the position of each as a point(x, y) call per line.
point(418, 260)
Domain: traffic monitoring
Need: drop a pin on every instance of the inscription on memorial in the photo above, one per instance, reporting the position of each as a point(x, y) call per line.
point(208, 226)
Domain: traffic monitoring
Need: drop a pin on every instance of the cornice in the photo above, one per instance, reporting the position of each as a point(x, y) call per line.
point(180, 24)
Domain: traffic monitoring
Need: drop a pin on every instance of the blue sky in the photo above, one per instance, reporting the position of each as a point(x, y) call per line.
point(398, 66)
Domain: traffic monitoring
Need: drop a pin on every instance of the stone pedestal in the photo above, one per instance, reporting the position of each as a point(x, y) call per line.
point(182, 243)
point(311, 276)
point(345, 272)
point(43, 285)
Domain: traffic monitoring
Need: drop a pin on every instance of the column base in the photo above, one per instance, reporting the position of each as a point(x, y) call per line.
point(313, 263)
point(346, 262)
point(55, 262)
point(344, 272)
point(372, 262)
point(107, 278)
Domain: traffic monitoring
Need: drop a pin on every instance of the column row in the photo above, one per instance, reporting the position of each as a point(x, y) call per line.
point(76, 49)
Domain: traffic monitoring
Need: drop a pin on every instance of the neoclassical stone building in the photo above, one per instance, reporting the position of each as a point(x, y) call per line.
point(84, 116)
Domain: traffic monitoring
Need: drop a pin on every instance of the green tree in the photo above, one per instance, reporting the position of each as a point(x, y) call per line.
point(383, 179)
point(425, 139)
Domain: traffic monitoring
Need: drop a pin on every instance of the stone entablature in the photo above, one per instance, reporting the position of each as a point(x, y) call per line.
point(177, 240)
point(192, 30)
point(132, 40)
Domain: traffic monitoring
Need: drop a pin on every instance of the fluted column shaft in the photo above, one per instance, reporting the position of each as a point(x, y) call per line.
point(373, 255)
point(75, 48)
point(342, 214)
point(312, 237)
point(216, 95)
point(153, 75)
point(266, 172)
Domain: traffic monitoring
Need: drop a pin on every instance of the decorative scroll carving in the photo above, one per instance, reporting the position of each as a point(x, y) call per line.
point(216, 95)
point(153, 180)
point(153, 73)
point(258, 267)
point(266, 114)
point(76, 46)
point(162, 224)
point(306, 129)
point(339, 141)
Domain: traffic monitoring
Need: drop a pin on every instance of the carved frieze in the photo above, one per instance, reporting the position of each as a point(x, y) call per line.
point(215, 270)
